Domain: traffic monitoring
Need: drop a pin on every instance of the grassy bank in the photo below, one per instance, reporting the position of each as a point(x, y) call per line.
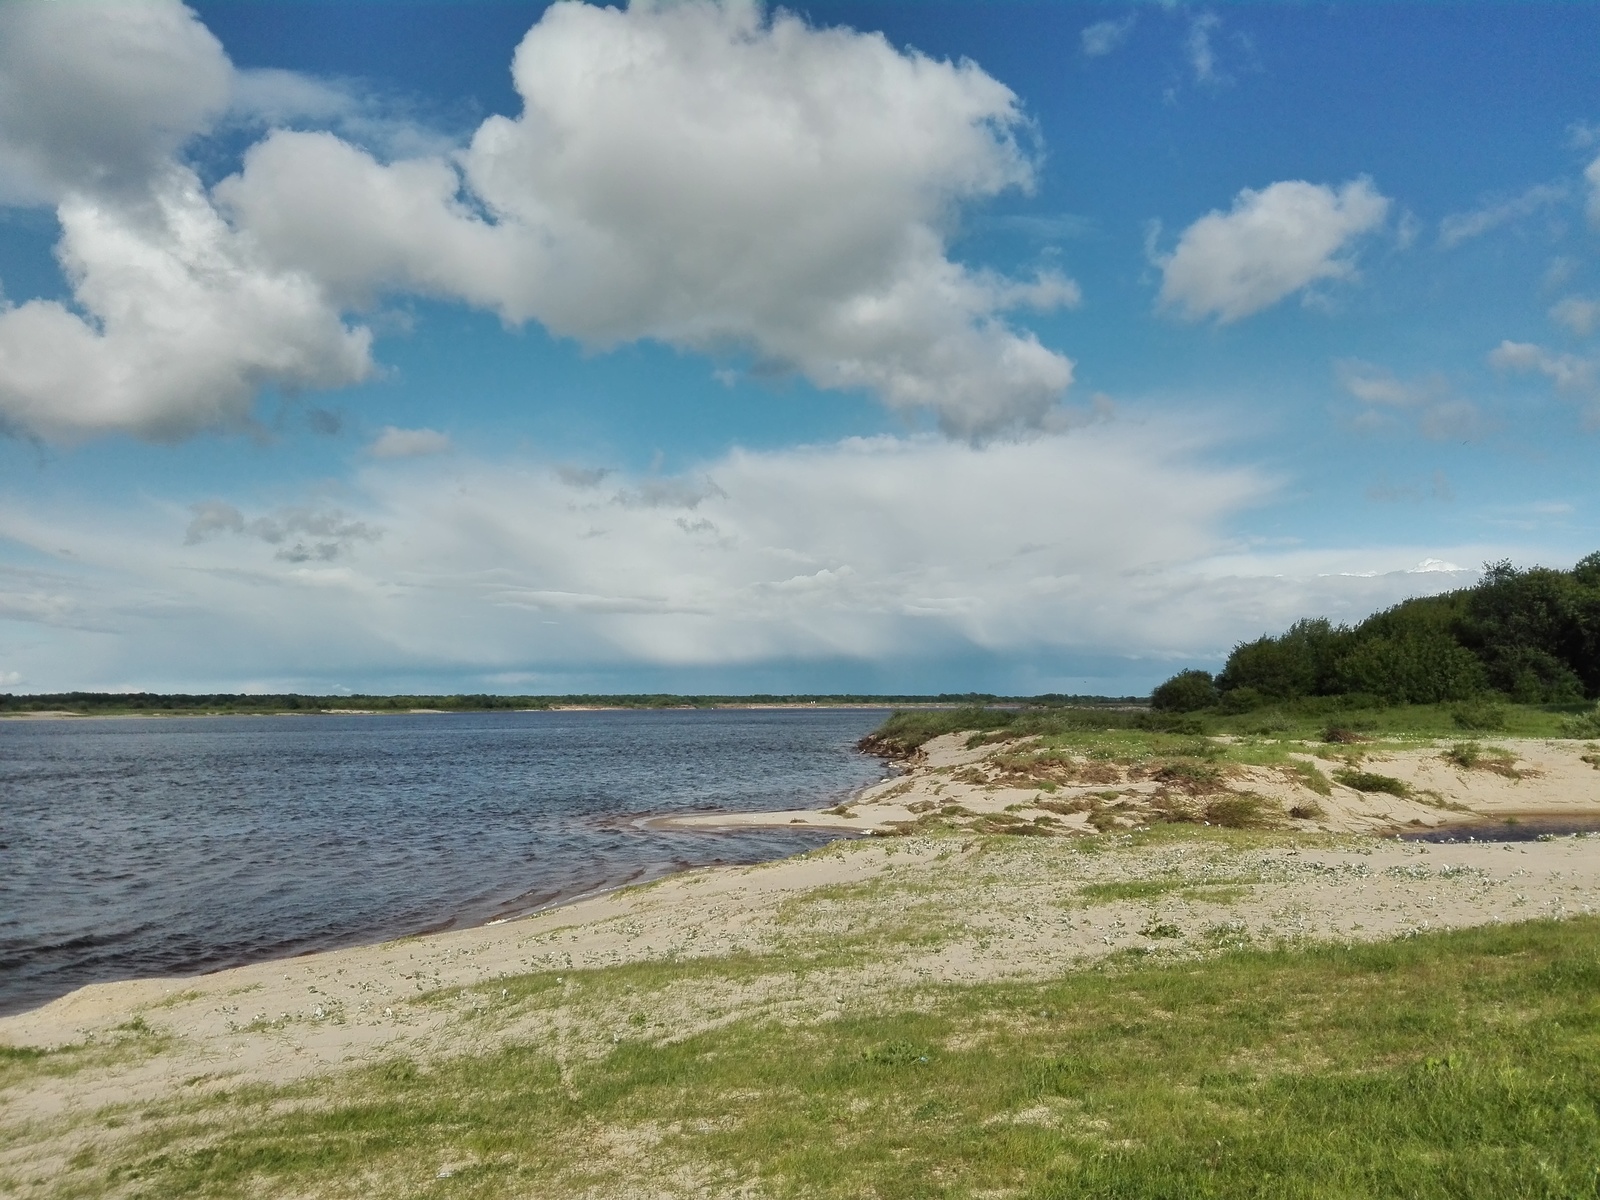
point(1459, 1064)
point(1311, 719)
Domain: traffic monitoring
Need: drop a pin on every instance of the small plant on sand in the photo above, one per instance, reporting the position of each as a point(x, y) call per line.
point(1470, 756)
point(1368, 781)
point(1307, 775)
point(1308, 810)
point(1241, 810)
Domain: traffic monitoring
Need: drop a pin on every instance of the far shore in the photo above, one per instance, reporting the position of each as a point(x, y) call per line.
point(140, 714)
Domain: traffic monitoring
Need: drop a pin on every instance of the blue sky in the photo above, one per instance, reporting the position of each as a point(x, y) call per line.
point(700, 346)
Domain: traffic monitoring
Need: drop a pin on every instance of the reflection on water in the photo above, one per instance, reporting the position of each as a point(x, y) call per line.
point(151, 847)
point(1512, 829)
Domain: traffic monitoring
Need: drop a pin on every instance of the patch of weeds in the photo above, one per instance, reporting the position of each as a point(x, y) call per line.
point(1215, 895)
point(1307, 775)
point(1195, 777)
point(1307, 811)
point(898, 1054)
point(1470, 756)
point(1369, 782)
point(1161, 929)
point(176, 999)
point(1342, 735)
point(1241, 810)
point(1128, 889)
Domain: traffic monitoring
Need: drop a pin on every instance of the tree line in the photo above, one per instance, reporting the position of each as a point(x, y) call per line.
point(1527, 635)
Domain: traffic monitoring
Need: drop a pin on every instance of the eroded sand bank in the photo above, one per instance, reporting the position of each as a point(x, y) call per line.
point(1535, 778)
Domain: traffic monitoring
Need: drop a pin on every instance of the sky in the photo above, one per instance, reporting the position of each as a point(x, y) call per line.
point(701, 346)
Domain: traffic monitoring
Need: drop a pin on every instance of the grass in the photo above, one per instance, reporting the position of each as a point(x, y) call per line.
point(1444, 1065)
point(1306, 720)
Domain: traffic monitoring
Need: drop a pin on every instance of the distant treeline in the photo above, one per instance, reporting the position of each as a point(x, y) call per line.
point(1530, 636)
point(110, 703)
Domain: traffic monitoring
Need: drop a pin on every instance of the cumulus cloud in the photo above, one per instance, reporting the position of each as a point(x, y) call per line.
point(704, 176)
point(1461, 227)
point(1591, 176)
point(179, 322)
point(184, 325)
point(1103, 37)
point(97, 96)
point(408, 443)
point(1271, 244)
point(697, 173)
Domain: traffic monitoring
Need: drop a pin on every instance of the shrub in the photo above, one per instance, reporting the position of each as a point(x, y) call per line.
point(1584, 725)
point(1240, 810)
point(1187, 691)
point(1480, 714)
point(1242, 700)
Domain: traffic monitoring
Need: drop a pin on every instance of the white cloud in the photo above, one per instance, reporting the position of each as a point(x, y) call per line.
point(1578, 313)
point(99, 95)
point(185, 325)
point(892, 552)
point(1460, 227)
point(882, 549)
point(1271, 244)
point(1202, 54)
point(1572, 374)
point(1103, 37)
point(10, 678)
point(180, 323)
point(788, 190)
point(693, 173)
point(408, 443)
point(1438, 413)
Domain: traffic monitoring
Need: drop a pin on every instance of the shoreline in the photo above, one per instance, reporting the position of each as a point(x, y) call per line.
point(999, 901)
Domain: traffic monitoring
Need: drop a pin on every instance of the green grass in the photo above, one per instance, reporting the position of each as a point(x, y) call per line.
point(1307, 720)
point(1445, 1065)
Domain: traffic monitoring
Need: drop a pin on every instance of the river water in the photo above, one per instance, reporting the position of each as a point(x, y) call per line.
point(133, 848)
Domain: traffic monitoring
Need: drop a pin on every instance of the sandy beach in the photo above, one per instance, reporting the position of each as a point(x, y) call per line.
point(887, 913)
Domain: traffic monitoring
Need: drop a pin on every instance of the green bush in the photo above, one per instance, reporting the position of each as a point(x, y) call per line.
point(1187, 691)
point(1584, 725)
